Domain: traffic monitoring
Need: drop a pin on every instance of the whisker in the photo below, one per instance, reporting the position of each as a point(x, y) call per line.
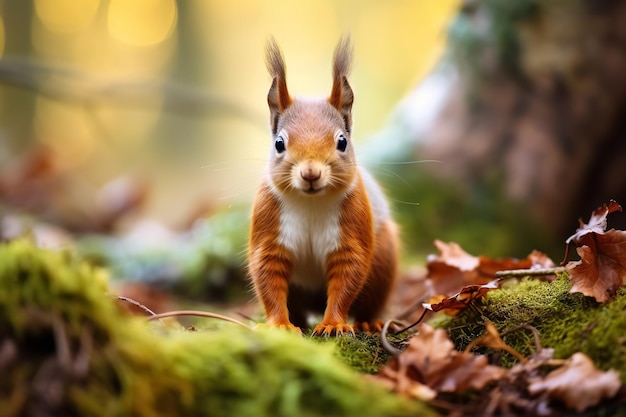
point(408, 203)
point(393, 174)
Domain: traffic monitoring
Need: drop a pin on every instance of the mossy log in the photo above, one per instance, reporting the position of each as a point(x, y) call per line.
point(66, 349)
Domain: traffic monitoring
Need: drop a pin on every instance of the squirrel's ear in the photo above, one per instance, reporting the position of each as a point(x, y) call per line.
point(278, 97)
point(341, 96)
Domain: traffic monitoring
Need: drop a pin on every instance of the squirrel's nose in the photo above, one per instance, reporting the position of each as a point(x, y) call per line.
point(310, 173)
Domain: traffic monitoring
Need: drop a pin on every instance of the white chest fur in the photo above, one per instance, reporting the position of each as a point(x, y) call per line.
point(310, 230)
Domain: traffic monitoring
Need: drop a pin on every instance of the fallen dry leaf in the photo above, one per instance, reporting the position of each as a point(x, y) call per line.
point(578, 383)
point(452, 254)
point(461, 300)
point(430, 364)
point(602, 268)
point(493, 339)
point(454, 269)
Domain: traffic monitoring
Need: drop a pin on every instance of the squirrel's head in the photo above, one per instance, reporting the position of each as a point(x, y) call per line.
point(311, 151)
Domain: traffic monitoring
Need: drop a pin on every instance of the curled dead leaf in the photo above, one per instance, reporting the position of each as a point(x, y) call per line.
point(602, 268)
point(597, 222)
point(430, 364)
point(458, 302)
point(493, 339)
point(578, 383)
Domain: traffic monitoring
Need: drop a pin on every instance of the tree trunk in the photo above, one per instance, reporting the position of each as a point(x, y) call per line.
point(535, 103)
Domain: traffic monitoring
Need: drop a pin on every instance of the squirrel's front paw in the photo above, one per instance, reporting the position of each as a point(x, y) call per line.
point(286, 326)
point(336, 329)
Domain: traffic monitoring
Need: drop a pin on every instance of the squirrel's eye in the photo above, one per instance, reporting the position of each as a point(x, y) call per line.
point(279, 144)
point(342, 143)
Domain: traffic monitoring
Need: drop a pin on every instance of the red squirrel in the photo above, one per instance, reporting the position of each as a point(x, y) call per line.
point(322, 238)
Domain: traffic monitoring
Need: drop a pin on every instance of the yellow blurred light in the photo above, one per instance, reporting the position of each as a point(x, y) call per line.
point(66, 15)
point(413, 31)
point(65, 130)
point(142, 22)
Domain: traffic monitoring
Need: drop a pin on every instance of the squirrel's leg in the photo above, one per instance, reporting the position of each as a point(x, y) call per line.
point(270, 269)
point(270, 263)
point(371, 301)
point(346, 270)
point(345, 280)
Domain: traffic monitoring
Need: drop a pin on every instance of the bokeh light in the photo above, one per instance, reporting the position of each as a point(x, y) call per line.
point(142, 22)
point(66, 16)
point(67, 133)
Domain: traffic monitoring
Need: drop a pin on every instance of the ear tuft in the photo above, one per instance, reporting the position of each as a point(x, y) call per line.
point(278, 97)
point(341, 95)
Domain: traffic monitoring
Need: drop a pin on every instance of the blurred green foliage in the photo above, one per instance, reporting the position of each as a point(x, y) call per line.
point(206, 262)
point(481, 219)
point(483, 37)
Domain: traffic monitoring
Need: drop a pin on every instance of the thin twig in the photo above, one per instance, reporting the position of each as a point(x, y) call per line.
point(493, 339)
point(385, 342)
point(137, 303)
point(198, 313)
point(407, 312)
point(564, 261)
point(529, 272)
point(415, 323)
point(532, 329)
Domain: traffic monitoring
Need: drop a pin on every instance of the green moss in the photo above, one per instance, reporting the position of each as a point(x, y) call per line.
point(66, 349)
point(567, 322)
point(362, 352)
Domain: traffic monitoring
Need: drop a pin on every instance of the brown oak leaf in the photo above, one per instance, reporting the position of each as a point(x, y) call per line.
point(578, 383)
point(430, 364)
point(602, 267)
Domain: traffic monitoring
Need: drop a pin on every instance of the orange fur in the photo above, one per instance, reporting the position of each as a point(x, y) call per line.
point(269, 263)
point(321, 238)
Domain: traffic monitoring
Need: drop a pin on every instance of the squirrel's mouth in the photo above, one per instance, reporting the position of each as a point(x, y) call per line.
point(312, 189)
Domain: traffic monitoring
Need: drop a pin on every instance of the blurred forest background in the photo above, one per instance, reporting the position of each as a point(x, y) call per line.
point(136, 131)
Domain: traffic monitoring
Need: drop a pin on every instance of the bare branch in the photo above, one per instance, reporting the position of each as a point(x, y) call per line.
point(198, 313)
point(529, 272)
point(71, 85)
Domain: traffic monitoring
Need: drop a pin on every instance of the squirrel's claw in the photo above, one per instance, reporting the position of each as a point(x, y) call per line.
point(337, 329)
